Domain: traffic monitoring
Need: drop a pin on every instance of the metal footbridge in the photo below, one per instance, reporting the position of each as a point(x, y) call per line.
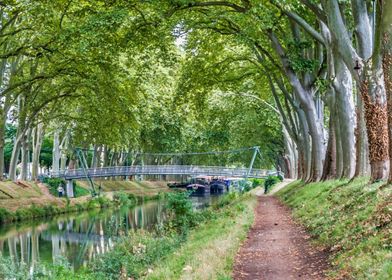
point(86, 171)
point(190, 170)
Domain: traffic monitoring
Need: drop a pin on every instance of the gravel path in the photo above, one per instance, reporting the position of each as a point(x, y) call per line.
point(277, 248)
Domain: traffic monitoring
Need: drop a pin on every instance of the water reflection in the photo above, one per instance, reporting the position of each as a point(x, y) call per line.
point(81, 238)
point(77, 238)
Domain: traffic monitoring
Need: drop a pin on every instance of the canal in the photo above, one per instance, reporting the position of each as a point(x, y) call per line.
point(80, 238)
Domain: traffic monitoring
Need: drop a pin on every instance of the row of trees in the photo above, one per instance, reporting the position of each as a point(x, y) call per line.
point(309, 81)
point(108, 75)
point(328, 64)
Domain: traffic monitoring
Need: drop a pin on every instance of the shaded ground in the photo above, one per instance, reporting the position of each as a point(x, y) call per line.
point(277, 248)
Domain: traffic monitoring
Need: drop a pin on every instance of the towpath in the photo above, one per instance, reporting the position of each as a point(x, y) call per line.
point(277, 248)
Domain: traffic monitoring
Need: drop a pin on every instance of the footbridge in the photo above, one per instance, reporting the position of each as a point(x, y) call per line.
point(233, 162)
point(187, 170)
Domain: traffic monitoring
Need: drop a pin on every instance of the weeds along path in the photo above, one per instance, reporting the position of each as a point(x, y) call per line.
point(277, 248)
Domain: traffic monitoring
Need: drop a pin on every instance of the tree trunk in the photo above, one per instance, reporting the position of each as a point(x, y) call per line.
point(94, 157)
point(329, 170)
point(56, 152)
point(304, 148)
point(25, 155)
point(338, 143)
point(386, 30)
point(2, 143)
point(37, 144)
point(361, 144)
point(377, 132)
point(346, 117)
point(18, 140)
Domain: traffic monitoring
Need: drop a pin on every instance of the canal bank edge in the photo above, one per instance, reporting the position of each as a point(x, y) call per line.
point(32, 206)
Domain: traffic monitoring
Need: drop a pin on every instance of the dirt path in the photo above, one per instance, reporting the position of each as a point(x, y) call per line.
point(277, 248)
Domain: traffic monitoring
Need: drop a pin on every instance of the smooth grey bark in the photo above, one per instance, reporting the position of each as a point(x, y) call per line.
point(38, 134)
point(305, 97)
point(56, 151)
point(343, 86)
point(63, 151)
point(14, 159)
point(21, 131)
point(25, 149)
point(94, 158)
point(331, 164)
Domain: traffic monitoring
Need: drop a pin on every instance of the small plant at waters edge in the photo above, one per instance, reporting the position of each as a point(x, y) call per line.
point(180, 208)
point(123, 198)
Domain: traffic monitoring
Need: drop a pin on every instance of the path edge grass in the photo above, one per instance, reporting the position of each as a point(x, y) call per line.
point(352, 220)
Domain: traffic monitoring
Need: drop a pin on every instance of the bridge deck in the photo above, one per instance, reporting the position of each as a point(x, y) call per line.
point(191, 170)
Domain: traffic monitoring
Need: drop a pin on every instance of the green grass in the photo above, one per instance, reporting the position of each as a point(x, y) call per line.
point(139, 188)
point(352, 219)
point(210, 249)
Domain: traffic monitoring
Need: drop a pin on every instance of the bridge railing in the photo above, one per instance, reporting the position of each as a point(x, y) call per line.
point(163, 170)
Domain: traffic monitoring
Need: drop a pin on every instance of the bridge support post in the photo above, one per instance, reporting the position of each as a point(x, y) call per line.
point(69, 189)
point(256, 150)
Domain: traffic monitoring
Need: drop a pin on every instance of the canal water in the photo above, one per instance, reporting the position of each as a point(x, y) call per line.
point(80, 238)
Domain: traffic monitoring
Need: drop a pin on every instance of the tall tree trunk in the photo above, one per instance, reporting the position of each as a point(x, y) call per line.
point(339, 148)
point(37, 144)
point(56, 152)
point(94, 157)
point(14, 159)
point(361, 144)
point(332, 162)
point(25, 155)
point(346, 117)
point(18, 139)
point(386, 31)
point(329, 171)
point(304, 147)
point(368, 75)
point(2, 143)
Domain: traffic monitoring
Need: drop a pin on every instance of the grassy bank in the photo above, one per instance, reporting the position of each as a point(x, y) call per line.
point(138, 188)
point(11, 190)
point(31, 200)
point(40, 211)
point(353, 220)
point(88, 203)
point(210, 249)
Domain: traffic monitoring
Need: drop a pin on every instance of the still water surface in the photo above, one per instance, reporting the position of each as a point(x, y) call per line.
point(80, 238)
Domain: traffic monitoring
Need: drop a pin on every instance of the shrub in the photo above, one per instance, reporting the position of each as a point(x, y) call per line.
point(6, 216)
point(270, 181)
point(256, 183)
point(133, 255)
point(123, 198)
point(180, 206)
